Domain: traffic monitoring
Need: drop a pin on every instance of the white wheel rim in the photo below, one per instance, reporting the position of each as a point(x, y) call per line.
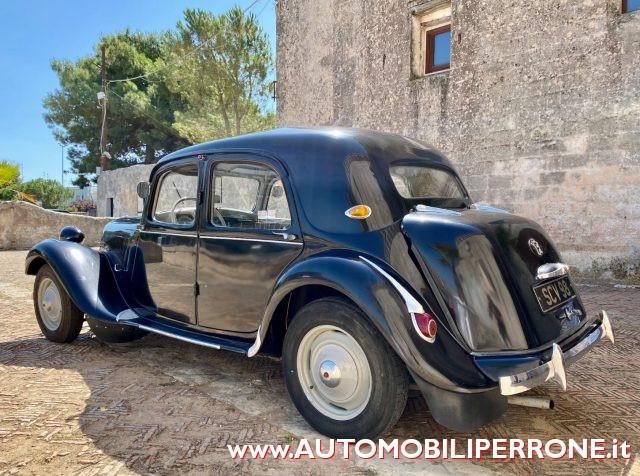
point(50, 304)
point(334, 372)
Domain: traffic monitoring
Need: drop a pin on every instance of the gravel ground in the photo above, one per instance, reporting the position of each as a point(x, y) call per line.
point(162, 406)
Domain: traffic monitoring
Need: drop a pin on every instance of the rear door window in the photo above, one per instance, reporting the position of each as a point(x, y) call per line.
point(248, 195)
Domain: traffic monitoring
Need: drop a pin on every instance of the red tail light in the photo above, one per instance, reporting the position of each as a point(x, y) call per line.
point(425, 325)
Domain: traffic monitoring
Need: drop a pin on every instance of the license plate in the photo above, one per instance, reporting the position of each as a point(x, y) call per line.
point(554, 294)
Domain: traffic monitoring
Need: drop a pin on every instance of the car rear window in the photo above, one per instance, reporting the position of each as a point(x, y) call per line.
point(424, 182)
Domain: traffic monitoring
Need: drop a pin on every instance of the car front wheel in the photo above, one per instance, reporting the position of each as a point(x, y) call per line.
point(340, 372)
point(58, 317)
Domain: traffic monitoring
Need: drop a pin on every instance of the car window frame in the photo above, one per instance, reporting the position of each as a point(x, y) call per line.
point(206, 223)
point(157, 179)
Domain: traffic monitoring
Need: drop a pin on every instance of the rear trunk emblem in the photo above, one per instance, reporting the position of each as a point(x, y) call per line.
point(535, 247)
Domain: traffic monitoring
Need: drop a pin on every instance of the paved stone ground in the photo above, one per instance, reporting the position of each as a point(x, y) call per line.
point(161, 406)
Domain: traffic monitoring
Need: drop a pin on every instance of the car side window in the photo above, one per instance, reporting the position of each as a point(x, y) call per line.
point(176, 198)
point(248, 195)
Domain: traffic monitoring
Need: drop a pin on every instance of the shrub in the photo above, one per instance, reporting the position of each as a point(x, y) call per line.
point(49, 192)
point(82, 205)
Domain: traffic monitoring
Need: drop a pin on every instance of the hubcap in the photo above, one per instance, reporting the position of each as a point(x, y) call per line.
point(334, 372)
point(50, 304)
point(330, 373)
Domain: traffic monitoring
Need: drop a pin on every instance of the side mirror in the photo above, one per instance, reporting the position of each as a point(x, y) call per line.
point(143, 190)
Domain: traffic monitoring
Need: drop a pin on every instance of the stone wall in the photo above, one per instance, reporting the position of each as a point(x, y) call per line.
point(22, 225)
point(120, 186)
point(540, 110)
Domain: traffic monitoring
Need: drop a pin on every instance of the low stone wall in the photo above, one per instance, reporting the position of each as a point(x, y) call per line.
point(22, 225)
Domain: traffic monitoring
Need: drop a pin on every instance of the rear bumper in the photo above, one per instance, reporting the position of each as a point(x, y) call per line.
point(517, 379)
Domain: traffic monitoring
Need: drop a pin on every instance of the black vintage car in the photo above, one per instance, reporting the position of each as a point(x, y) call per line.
point(355, 256)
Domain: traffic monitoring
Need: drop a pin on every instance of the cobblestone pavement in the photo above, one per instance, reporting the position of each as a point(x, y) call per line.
point(161, 406)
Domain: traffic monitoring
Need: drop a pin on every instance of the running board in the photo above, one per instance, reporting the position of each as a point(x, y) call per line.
point(130, 318)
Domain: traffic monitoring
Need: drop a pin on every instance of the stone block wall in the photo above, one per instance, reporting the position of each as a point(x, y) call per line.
point(540, 110)
point(22, 225)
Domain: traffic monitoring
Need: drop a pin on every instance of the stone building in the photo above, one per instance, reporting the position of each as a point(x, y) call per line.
point(536, 102)
point(118, 192)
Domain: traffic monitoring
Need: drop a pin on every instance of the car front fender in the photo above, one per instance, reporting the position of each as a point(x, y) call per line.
point(365, 281)
point(85, 274)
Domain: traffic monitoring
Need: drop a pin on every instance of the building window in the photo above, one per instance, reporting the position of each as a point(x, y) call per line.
point(437, 49)
point(630, 5)
point(431, 37)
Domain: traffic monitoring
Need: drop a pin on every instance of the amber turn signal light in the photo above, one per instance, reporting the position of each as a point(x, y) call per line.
point(425, 325)
point(358, 212)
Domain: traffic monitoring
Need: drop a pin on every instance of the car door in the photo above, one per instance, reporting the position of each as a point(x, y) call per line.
point(168, 241)
point(248, 235)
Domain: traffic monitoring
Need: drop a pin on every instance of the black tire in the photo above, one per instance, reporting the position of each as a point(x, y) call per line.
point(389, 378)
point(114, 333)
point(71, 318)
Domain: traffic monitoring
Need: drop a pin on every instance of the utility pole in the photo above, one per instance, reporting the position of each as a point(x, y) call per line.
point(62, 163)
point(104, 160)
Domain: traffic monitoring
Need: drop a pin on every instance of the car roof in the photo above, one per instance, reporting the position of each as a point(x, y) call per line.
point(331, 169)
point(295, 143)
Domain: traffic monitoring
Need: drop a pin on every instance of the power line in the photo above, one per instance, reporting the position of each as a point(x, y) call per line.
point(166, 65)
point(250, 6)
point(156, 120)
point(186, 55)
point(140, 76)
point(264, 7)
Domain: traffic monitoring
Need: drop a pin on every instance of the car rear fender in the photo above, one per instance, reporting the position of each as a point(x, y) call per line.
point(85, 274)
point(363, 280)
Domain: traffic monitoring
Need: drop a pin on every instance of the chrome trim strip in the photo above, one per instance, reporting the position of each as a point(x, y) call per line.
point(176, 336)
point(253, 350)
point(551, 270)
point(126, 317)
point(193, 235)
point(296, 243)
point(413, 306)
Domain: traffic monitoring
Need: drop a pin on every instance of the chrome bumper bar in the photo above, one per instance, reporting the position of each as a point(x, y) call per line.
point(554, 369)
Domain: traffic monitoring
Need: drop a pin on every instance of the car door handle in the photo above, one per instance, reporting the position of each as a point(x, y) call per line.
point(285, 236)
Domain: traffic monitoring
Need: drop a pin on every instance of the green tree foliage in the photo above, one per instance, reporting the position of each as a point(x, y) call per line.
point(223, 75)
point(140, 111)
point(9, 178)
point(49, 192)
point(207, 79)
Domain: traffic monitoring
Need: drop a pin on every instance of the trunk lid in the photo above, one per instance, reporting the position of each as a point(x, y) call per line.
point(484, 264)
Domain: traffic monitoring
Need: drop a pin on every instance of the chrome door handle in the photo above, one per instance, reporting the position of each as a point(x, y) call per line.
point(285, 236)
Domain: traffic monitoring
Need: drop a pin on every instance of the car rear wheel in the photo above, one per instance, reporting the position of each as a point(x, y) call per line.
point(114, 333)
point(58, 317)
point(340, 372)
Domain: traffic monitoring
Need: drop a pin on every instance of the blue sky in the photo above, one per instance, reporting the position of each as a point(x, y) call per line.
point(35, 31)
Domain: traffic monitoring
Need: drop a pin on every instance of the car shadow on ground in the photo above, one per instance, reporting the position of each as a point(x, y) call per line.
point(159, 405)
